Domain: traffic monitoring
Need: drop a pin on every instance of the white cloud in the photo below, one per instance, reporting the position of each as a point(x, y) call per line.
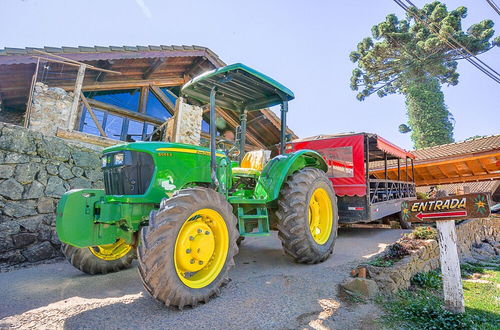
point(144, 8)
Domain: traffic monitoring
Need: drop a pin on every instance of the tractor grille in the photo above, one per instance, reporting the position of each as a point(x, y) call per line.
point(131, 176)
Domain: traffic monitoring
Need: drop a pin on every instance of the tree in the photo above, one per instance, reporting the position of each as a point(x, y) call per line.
point(410, 57)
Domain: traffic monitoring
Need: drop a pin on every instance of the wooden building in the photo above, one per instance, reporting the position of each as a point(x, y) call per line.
point(131, 90)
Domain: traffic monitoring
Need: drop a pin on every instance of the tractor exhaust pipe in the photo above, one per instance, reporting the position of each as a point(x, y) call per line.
point(213, 134)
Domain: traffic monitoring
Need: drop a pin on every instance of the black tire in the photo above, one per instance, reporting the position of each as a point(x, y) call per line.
point(156, 251)
point(87, 262)
point(293, 208)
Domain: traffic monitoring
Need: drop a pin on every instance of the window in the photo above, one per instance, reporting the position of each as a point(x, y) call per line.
point(155, 108)
point(339, 160)
point(125, 98)
point(87, 125)
point(171, 92)
point(116, 127)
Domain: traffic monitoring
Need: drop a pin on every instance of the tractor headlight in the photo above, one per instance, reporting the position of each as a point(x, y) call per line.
point(118, 158)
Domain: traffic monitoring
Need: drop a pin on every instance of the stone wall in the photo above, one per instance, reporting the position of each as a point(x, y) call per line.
point(51, 109)
point(476, 240)
point(35, 170)
point(187, 123)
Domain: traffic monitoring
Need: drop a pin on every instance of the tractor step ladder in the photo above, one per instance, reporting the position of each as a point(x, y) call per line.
point(260, 215)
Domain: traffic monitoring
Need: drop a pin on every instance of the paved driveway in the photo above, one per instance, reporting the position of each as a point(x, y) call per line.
point(267, 291)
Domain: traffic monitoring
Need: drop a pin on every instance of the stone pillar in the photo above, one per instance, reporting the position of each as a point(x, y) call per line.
point(51, 109)
point(187, 123)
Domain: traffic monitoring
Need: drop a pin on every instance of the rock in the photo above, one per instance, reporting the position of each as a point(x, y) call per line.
point(6, 244)
point(11, 258)
point(35, 190)
point(77, 171)
point(65, 172)
point(55, 187)
point(39, 252)
point(17, 140)
point(32, 223)
point(6, 171)
point(23, 239)
point(26, 173)
point(86, 159)
point(483, 251)
point(53, 148)
point(79, 183)
point(44, 232)
point(16, 158)
point(12, 189)
point(19, 209)
point(42, 176)
point(362, 286)
point(52, 169)
point(94, 175)
point(54, 239)
point(98, 185)
point(45, 205)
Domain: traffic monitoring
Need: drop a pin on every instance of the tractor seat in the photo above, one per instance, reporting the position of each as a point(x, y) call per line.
point(253, 162)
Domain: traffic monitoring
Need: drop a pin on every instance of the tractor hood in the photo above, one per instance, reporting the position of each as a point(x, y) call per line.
point(238, 88)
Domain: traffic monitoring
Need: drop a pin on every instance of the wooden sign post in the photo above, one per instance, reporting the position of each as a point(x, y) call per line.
point(445, 211)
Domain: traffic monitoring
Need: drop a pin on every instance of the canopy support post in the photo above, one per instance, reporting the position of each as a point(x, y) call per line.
point(284, 110)
point(213, 132)
point(243, 127)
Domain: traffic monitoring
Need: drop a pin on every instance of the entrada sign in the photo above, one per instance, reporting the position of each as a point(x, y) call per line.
point(446, 208)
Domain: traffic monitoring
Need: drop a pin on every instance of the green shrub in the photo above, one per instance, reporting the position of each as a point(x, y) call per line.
point(421, 195)
point(421, 309)
point(424, 232)
point(428, 280)
point(381, 262)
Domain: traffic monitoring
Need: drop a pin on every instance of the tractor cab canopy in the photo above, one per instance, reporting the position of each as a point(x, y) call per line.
point(238, 88)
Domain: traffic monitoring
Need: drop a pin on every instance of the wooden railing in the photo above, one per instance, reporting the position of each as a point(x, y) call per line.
point(387, 190)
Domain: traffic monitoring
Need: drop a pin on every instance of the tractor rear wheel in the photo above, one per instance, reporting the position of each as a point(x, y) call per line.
point(308, 217)
point(100, 259)
point(188, 247)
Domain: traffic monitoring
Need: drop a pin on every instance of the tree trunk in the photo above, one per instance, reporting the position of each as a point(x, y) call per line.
point(428, 117)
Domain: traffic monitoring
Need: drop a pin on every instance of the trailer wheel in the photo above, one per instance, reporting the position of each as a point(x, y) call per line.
point(100, 259)
point(308, 217)
point(188, 247)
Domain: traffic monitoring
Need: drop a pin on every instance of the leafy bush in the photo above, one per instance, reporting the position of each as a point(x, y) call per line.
point(428, 280)
point(396, 251)
point(421, 309)
point(421, 195)
point(381, 262)
point(424, 233)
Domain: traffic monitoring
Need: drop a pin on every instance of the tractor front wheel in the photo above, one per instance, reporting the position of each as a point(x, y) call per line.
point(100, 259)
point(188, 247)
point(308, 217)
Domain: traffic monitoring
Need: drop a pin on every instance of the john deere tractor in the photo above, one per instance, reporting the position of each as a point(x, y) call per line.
point(182, 208)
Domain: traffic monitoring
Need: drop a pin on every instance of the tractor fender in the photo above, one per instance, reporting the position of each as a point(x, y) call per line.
point(281, 167)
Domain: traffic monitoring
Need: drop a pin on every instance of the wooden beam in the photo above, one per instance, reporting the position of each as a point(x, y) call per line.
point(94, 118)
point(143, 99)
point(471, 178)
point(153, 67)
point(73, 61)
point(76, 98)
point(126, 84)
point(124, 112)
point(251, 138)
point(87, 138)
point(167, 103)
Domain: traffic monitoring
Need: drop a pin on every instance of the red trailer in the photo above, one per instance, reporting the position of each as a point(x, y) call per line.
point(361, 196)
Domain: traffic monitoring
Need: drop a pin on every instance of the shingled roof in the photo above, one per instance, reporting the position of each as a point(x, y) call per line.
point(477, 145)
point(117, 50)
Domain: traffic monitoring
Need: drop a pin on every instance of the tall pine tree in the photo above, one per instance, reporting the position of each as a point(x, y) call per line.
point(410, 57)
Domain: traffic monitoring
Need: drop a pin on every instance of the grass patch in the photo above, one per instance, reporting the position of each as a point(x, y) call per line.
point(421, 307)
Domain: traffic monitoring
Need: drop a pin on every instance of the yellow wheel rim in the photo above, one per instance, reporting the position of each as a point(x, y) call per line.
point(111, 251)
point(201, 248)
point(320, 216)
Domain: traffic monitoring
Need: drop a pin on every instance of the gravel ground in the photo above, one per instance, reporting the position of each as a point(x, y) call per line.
point(267, 291)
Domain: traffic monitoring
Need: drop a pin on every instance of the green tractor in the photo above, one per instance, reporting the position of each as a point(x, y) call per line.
point(182, 209)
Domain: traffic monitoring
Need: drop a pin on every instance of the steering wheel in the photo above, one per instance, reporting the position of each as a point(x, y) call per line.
point(233, 152)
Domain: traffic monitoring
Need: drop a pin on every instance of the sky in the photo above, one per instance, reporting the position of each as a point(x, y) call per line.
point(304, 45)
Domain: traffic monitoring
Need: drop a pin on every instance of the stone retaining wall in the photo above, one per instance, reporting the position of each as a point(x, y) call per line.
point(471, 235)
point(35, 170)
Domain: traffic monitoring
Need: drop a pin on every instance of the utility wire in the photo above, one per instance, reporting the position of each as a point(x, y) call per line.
point(494, 6)
point(470, 57)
